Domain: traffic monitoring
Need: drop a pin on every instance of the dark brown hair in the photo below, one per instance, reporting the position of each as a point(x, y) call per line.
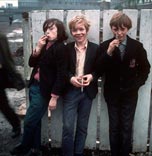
point(61, 34)
point(120, 19)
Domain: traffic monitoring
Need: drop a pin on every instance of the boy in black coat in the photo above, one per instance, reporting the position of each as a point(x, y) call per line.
point(81, 89)
point(126, 68)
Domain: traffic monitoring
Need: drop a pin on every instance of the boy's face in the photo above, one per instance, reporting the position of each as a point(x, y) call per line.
point(120, 32)
point(51, 33)
point(79, 33)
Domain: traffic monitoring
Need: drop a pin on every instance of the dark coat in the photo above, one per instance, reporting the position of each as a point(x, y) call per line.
point(9, 77)
point(52, 72)
point(92, 54)
point(125, 75)
point(6, 61)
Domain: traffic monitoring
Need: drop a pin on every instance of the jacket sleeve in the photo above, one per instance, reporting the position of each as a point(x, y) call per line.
point(61, 70)
point(143, 67)
point(34, 60)
point(98, 66)
point(103, 60)
point(143, 70)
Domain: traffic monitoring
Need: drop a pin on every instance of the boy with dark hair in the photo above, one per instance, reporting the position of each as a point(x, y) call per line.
point(126, 68)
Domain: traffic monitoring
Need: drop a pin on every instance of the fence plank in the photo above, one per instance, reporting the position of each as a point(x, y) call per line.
point(27, 47)
point(107, 14)
point(104, 121)
point(37, 20)
point(92, 126)
point(95, 26)
point(133, 14)
point(59, 14)
point(142, 113)
point(26, 50)
point(56, 125)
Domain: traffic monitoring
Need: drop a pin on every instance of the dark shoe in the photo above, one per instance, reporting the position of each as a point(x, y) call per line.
point(18, 149)
point(16, 132)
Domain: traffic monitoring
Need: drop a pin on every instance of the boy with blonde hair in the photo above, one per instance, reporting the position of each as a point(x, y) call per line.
point(82, 87)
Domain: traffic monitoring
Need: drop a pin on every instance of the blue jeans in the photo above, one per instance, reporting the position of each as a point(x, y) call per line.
point(32, 121)
point(75, 104)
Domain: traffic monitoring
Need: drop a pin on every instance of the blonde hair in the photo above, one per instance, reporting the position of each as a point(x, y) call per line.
point(120, 19)
point(79, 19)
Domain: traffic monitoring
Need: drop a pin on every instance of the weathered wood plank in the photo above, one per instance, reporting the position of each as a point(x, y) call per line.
point(104, 120)
point(26, 47)
point(133, 14)
point(95, 25)
point(37, 20)
point(94, 29)
point(56, 125)
point(59, 14)
point(107, 14)
point(27, 51)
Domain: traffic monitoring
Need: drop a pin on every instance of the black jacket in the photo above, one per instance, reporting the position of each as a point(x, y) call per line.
point(125, 75)
point(6, 61)
point(52, 69)
point(92, 54)
point(9, 77)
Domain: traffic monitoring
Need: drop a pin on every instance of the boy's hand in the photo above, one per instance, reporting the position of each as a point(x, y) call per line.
point(112, 46)
point(87, 79)
point(52, 103)
point(76, 81)
point(40, 44)
point(42, 41)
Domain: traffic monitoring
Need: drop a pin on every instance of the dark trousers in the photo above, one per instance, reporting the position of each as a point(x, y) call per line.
point(7, 111)
point(121, 115)
point(32, 121)
point(77, 107)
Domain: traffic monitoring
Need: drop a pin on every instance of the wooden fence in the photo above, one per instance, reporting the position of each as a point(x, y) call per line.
point(100, 30)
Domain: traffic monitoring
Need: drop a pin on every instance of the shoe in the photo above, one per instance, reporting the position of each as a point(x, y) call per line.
point(16, 132)
point(18, 149)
